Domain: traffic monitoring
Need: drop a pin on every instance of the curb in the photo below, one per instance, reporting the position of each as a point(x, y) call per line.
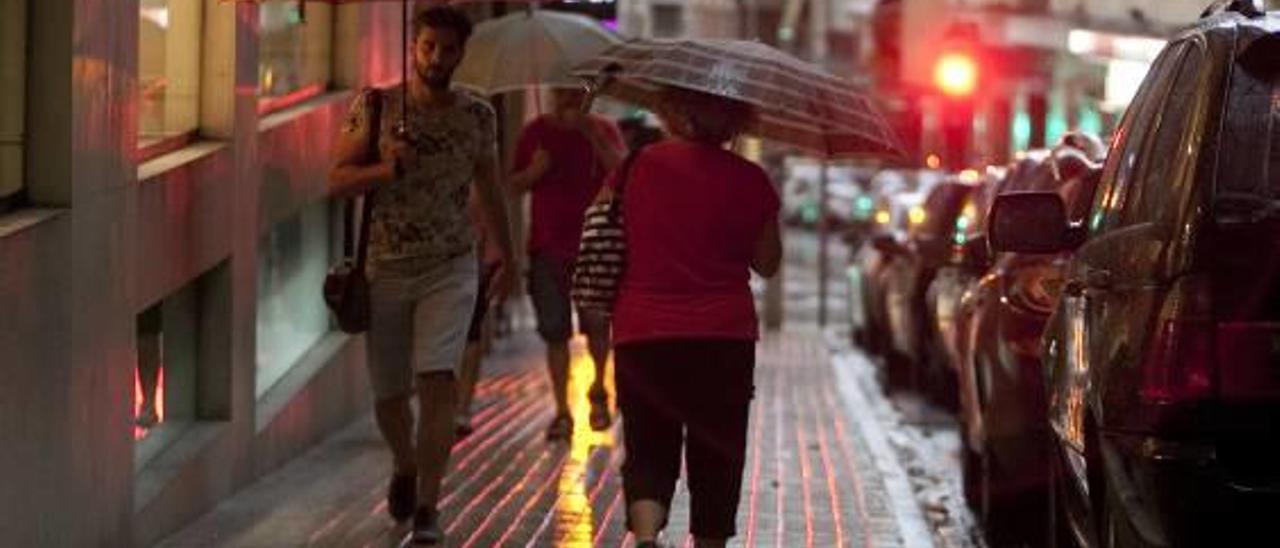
point(911, 523)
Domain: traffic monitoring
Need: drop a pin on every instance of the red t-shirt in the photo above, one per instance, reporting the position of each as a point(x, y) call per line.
point(562, 196)
point(693, 216)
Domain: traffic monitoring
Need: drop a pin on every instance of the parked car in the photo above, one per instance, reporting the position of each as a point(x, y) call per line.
point(801, 193)
point(1005, 311)
point(869, 267)
point(1163, 354)
point(967, 262)
point(912, 360)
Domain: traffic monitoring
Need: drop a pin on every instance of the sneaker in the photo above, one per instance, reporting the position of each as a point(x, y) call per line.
point(426, 527)
point(560, 429)
point(402, 496)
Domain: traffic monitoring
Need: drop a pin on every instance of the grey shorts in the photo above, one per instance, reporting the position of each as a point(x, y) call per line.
point(549, 291)
point(418, 323)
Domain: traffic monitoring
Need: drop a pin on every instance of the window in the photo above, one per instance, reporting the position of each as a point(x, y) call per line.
point(1130, 145)
point(182, 363)
point(168, 73)
point(293, 261)
point(13, 47)
point(1168, 172)
point(1249, 162)
point(294, 55)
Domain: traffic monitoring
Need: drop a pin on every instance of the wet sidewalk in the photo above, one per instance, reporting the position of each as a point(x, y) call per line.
point(810, 479)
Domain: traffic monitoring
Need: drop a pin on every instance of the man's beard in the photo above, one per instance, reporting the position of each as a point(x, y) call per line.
point(438, 81)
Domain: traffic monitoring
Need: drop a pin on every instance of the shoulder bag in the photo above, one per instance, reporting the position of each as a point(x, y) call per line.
point(602, 252)
point(346, 288)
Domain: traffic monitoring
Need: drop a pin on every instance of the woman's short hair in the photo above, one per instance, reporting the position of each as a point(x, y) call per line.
point(443, 17)
point(704, 117)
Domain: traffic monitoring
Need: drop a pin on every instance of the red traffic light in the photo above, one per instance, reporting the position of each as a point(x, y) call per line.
point(956, 74)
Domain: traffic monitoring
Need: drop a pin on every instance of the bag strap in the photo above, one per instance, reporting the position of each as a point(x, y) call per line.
point(360, 253)
point(623, 177)
point(625, 174)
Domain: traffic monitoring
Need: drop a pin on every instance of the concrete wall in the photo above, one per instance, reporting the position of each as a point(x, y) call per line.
point(107, 237)
point(13, 47)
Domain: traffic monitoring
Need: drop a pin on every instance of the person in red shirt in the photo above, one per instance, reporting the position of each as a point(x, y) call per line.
point(698, 219)
point(562, 159)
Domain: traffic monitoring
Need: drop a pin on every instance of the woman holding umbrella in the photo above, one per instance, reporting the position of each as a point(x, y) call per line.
point(684, 321)
point(697, 219)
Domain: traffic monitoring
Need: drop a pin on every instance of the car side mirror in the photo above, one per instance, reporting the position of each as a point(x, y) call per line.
point(1031, 222)
point(975, 253)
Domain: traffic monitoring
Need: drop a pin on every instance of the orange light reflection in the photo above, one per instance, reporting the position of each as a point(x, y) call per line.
point(138, 431)
point(575, 518)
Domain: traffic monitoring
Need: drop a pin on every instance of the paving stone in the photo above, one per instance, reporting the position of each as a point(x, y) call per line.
point(808, 481)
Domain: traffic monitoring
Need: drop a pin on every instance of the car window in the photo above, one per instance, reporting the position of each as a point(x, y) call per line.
point(941, 209)
point(1167, 174)
point(1132, 139)
point(1248, 177)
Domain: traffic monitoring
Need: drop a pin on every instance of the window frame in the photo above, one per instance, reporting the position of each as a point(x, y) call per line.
point(160, 146)
point(13, 101)
point(270, 105)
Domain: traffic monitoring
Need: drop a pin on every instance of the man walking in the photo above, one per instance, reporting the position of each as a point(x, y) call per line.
point(562, 158)
point(434, 144)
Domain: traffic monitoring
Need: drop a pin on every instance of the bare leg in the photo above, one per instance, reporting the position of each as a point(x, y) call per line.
point(437, 397)
point(468, 375)
point(558, 366)
point(646, 517)
point(598, 344)
point(395, 421)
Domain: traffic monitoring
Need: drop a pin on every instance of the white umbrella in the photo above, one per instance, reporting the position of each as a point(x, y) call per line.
point(796, 102)
point(530, 49)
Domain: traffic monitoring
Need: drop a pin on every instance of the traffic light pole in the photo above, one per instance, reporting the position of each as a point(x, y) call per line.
point(957, 133)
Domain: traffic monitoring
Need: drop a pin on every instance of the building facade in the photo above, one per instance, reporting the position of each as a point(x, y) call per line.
point(164, 229)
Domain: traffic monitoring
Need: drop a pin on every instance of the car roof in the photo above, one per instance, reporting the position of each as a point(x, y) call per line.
point(1227, 26)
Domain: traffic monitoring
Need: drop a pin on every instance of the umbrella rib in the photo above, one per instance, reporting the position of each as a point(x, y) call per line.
point(797, 102)
point(796, 67)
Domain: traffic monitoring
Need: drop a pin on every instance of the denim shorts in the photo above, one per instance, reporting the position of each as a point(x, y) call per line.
point(549, 291)
point(418, 323)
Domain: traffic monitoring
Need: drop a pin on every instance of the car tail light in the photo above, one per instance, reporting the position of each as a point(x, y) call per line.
point(1033, 288)
point(1179, 363)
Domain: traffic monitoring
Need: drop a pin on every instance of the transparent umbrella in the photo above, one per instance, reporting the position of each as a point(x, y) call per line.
point(796, 103)
point(531, 49)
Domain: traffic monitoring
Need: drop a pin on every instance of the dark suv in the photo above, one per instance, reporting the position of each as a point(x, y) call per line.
point(1163, 354)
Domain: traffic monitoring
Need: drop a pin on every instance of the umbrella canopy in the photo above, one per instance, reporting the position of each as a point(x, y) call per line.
point(796, 102)
point(532, 48)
